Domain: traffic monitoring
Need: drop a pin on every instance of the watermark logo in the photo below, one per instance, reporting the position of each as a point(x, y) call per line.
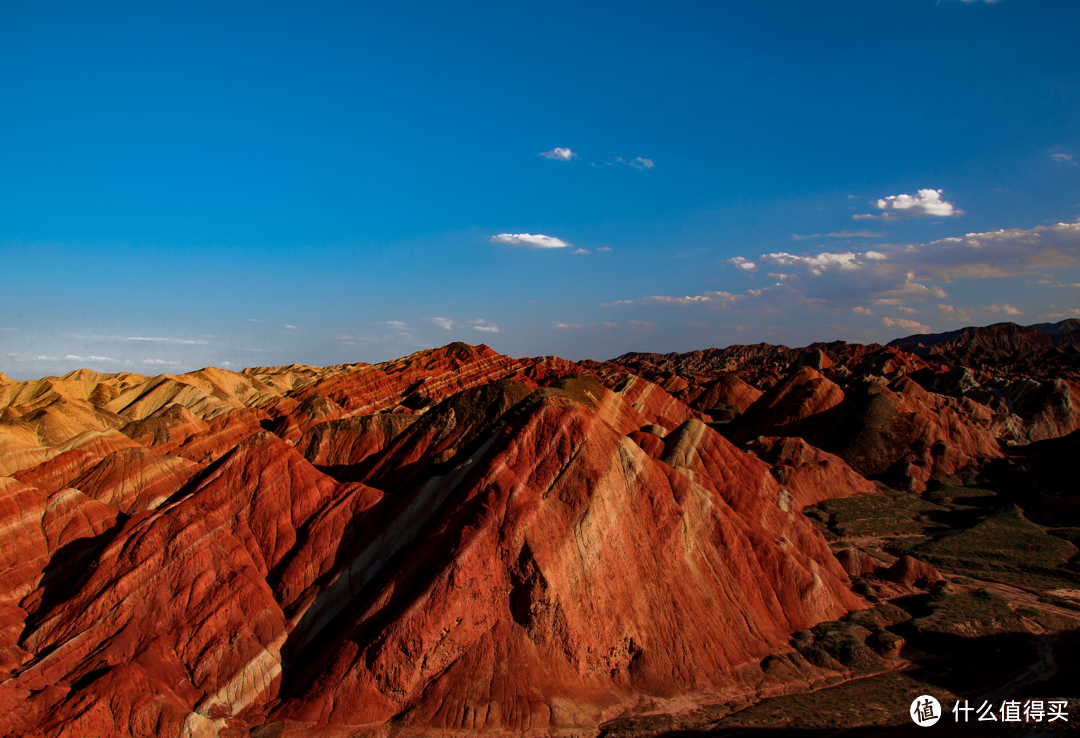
point(925, 711)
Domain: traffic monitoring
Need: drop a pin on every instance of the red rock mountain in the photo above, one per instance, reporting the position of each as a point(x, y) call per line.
point(458, 540)
point(999, 336)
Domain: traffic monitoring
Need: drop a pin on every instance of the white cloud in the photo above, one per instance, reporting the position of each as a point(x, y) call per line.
point(1063, 157)
point(73, 357)
point(252, 320)
point(1069, 313)
point(908, 325)
point(444, 323)
point(911, 289)
point(529, 240)
point(640, 163)
point(398, 325)
point(155, 361)
point(855, 234)
point(182, 341)
point(721, 300)
point(604, 248)
point(165, 340)
point(926, 203)
point(482, 325)
point(290, 327)
point(996, 254)
point(559, 154)
point(48, 358)
point(839, 234)
point(742, 263)
point(949, 312)
point(564, 326)
point(580, 251)
point(823, 261)
point(858, 310)
point(1005, 308)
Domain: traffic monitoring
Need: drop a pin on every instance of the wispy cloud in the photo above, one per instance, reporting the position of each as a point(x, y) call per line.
point(819, 263)
point(855, 234)
point(398, 325)
point(290, 327)
point(604, 324)
point(896, 278)
point(444, 323)
point(538, 241)
point(926, 203)
point(604, 248)
point(1063, 158)
point(908, 325)
point(559, 154)
point(580, 251)
point(717, 299)
point(73, 357)
point(253, 320)
point(995, 254)
point(1059, 315)
point(838, 234)
point(641, 163)
point(482, 325)
point(144, 339)
point(951, 312)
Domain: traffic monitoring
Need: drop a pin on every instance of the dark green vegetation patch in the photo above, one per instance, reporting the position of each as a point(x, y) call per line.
point(1004, 546)
point(886, 515)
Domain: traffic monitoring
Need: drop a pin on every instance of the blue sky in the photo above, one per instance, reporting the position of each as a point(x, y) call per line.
point(184, 185)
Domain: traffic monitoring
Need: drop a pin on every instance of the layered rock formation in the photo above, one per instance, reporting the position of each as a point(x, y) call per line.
point(456, 539)
point(459, 540)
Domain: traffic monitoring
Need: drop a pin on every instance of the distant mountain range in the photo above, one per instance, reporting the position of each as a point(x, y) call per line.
point(998, 337)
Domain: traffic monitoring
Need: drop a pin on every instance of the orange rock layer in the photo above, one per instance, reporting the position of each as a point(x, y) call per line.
point(454, 540)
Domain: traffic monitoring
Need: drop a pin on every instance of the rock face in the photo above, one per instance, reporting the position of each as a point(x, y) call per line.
point(463, 541)
point(1000, 336)
point(453, 540)
point(912, 572)
point(781, 411)
point(544, 607)
point(812, 475)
